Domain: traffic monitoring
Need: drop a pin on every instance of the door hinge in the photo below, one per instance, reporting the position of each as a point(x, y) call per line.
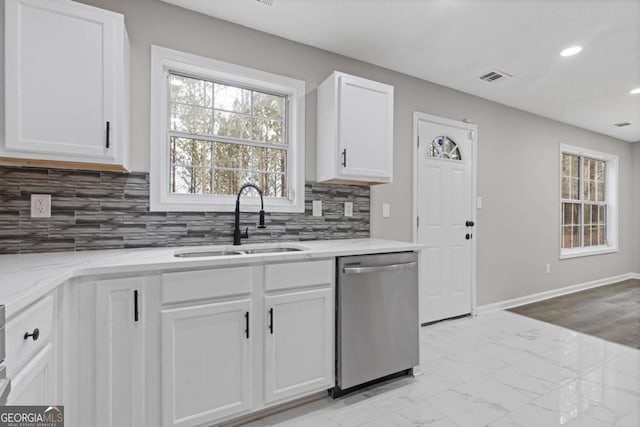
point(418, 222)
point(418, 142)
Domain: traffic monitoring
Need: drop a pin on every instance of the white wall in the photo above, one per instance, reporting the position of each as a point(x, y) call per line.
point(518, 227)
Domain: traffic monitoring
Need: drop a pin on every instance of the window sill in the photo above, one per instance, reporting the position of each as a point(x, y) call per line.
point(189, 203)
point(577, 253)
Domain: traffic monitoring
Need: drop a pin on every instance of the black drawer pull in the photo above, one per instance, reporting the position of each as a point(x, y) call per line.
point(271, 321)
point(136, 312)
point(246, 324)
point(108, 133)
point(35, 334)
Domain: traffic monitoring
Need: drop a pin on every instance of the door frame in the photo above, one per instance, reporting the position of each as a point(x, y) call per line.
point(417, 118)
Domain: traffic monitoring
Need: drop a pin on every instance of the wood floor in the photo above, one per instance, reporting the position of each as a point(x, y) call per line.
point(609, 312)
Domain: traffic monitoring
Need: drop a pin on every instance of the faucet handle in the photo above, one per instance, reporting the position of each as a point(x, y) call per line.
point(245, 235)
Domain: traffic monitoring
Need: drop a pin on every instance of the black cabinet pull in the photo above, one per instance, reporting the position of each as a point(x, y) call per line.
point(468, 236)
point(35, 334)
point(470, 223)
point(271, 321)
point(135, 306)
point(108, 132)
point(246, 324)
point(344, 158)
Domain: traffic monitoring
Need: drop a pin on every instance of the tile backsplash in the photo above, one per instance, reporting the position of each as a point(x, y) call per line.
point(110, 210)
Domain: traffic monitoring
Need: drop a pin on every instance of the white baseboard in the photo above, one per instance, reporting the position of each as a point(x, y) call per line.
point(502, 305)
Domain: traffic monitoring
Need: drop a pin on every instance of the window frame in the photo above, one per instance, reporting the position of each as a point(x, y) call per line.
point(165, 61)
point(611, 202)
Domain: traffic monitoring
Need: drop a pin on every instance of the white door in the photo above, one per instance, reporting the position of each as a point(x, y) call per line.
point(120, 358)
point(60, 87)
point(35, 384)
point(298, 346)
point(445, 215)
point(365, 128)
point(206, 362)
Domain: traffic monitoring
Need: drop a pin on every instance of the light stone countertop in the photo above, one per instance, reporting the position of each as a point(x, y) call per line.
point(25, 278)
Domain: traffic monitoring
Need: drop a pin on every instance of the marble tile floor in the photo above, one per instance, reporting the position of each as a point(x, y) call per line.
point(498, 369)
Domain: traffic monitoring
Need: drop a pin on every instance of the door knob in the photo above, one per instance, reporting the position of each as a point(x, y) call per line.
point(470, 223)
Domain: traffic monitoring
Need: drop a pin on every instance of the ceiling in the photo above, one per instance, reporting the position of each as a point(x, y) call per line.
point(453, 42)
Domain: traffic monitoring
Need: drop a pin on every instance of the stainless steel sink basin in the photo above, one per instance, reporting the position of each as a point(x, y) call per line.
point(269, 250)
point(239, 251)
point(197, 254)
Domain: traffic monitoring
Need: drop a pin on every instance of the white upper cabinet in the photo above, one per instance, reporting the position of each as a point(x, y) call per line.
point(67, 90)
point(355, 130)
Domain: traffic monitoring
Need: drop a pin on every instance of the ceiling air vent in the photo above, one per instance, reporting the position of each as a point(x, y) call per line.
point(494, 75)
point(622, 124)
point(266, 2)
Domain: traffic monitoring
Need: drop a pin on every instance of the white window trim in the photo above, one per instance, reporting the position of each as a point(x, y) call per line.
point(164, 60)
point(612, 200)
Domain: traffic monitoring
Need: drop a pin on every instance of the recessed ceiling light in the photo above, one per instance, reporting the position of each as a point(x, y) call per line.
point(570, 51)
point(635, 91)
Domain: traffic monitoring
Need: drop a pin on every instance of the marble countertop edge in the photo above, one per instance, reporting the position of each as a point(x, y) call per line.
point(26, 278)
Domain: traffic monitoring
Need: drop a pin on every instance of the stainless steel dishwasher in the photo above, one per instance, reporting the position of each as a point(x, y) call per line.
point(377, 325)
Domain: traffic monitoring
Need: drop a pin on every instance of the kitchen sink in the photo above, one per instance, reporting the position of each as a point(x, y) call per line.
point(269, 250)
point(240, 251)
point(197, 254)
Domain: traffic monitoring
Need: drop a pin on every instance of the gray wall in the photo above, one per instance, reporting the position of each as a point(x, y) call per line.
point(518, 227)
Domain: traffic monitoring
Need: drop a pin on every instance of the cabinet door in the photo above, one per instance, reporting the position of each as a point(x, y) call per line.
point(120, 358)
point(299, 344)
point(365, 129)
point(206, 362)
point(62, 88)
point(35, 383)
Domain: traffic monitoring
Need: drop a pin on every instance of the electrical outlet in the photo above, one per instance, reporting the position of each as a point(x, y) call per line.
point(40, 205)
point(348, 208)
point(386, 210)
point(317, 208)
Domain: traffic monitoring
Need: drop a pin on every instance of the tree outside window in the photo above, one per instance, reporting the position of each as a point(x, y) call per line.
point(222, 136)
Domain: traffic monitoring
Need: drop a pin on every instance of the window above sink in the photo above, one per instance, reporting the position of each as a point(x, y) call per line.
point(216, 126)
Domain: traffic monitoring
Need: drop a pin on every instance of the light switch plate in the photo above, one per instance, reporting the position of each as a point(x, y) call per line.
point(348, 208)
point(386, 210)
point(317, 208)
point(41, 206)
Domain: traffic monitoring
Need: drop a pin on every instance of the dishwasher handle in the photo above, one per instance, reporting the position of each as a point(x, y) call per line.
point(377, 268)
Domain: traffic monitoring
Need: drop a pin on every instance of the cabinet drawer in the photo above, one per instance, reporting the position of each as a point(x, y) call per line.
point(38, 316)
point(298, 274)
point(194, 285)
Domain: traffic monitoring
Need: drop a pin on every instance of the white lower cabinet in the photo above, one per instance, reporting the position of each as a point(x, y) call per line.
point(189, 348)
point(35, 384)
point(120, 355)
point(206, 362)
point(298, 344)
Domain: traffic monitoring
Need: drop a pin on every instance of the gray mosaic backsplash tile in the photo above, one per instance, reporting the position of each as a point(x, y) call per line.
point(110, 210)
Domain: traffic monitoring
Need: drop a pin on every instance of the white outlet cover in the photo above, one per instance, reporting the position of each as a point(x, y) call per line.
point(317, 208)
point(41, 206)
point(386, 210)
point(348, 208)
